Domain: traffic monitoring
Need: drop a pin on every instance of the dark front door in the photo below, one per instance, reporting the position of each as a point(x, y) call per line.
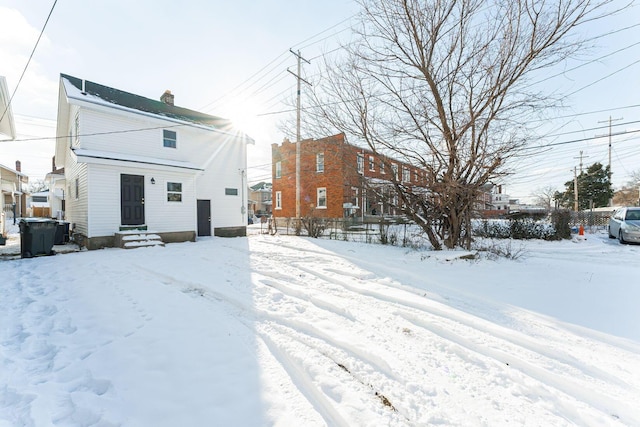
point(132, 199)
point(204, 217)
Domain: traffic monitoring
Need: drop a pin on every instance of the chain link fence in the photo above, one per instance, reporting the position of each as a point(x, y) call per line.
point(399, 231)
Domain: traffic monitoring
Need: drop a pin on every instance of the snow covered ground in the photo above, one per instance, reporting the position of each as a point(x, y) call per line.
point(287, 331)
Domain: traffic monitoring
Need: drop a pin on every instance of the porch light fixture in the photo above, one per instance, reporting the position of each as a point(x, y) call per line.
point(153, 181)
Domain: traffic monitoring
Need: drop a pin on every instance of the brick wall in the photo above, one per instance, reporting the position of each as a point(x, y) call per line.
point(340, 176)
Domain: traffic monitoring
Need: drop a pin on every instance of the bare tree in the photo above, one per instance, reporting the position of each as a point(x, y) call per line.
point(544, 196)
point(37, 185)
point(629, 194)
point(446, 86)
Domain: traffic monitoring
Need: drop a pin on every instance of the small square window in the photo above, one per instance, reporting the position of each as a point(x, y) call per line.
point(169, 138)
point(174, 191)
point(231, 191)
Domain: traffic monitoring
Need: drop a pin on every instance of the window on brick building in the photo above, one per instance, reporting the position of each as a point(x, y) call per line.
point(394, 168)
point(320, 162)
point(278, 199)
point(372, 165)
point(360, 163)
point(382, 166)
point(355, 198)
point(322, 198)
point(406, 174)
point(278, 169)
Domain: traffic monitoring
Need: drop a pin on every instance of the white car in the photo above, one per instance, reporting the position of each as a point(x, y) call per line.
point(625, 225)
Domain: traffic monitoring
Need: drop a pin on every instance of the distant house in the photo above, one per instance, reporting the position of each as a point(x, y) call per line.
point(131, 162)
point(337, 180)
point(38, 204)
point(13, 199)
point(56, 183)
point(260, 199)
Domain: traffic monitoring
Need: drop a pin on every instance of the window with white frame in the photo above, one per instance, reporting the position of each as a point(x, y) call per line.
point(394, 169)
point(278, 169)
point(406, 174)
point(278, 199)
point(382, 166)
point(322, 198)
point(355, 199)
point(174, 192)
point(169, 138)
point(320, 162)
point(360, 163)
point(372, 165)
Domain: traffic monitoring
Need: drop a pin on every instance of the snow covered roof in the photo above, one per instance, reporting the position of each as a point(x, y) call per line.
point(87, 91)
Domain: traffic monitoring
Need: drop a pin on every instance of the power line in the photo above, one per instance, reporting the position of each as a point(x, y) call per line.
point(28, 61)
point(246, 81)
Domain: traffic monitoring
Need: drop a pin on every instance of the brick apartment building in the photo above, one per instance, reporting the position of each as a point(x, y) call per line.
point(336, 179)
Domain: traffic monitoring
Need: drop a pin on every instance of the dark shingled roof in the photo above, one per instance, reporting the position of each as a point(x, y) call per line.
point(137, 102)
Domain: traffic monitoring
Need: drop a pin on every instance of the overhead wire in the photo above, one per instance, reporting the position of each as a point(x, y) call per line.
point(33, 51)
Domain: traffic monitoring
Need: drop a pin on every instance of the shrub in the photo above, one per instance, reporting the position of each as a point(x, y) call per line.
point(515, 228)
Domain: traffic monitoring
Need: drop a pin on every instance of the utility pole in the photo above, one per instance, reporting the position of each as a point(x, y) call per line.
point(610, 134)
point(299, 79)
point(581, 157)
point(575, 189)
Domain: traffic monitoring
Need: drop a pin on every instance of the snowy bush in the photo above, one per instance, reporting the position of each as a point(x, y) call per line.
point(519, 228)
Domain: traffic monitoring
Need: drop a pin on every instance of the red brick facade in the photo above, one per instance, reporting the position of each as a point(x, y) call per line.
point(337, 189)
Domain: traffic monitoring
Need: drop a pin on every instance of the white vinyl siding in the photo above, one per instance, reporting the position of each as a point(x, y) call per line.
point(219, 156)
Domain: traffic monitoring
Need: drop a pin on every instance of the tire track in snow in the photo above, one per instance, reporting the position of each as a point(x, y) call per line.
point(562, 378)
point(253, 317)
point(303, 287)
point(478, 325)
point(502, 352)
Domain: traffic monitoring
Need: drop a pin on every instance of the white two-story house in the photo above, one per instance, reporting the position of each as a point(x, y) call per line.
point(131, 162)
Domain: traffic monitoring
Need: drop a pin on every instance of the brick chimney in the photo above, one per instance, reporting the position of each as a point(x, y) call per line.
point(18, 166)
point(167, 97)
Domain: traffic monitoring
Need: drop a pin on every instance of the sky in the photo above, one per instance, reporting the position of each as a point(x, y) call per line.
point(230, 59)
point(283, 330)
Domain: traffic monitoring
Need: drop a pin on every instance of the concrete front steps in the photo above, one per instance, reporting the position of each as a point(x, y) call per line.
point(130, 239)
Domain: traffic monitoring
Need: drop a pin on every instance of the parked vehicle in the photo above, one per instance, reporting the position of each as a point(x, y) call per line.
point(625, 225)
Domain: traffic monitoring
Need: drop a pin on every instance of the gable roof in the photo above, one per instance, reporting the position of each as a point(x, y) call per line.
point(87, 90)
point(261, 186)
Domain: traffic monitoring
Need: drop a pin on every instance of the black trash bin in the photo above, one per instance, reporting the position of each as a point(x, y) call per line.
point(62, 233)
point(37, 237)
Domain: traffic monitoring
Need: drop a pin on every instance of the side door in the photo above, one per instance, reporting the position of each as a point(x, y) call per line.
point(131, 199)
point(204, 217)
